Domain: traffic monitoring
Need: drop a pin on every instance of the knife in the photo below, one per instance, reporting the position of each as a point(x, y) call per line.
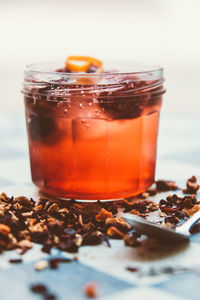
point(164, 234)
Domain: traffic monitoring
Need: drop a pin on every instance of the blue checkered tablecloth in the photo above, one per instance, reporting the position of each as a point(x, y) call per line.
point(178, 158)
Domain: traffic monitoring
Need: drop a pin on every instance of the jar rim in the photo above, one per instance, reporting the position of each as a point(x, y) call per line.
point(112, 68)
point(40, 79)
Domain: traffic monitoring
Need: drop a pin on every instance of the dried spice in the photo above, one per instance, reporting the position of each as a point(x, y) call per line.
point(166, 185)
point(173, 219)
point(15, 261)
point(54, 262)
point(93, 238)
point(4, 230)
point(41, 265)
point(38, 288)
point(132, 269)
point(134, 212)
point(24, 245)
point(191, 211)
point(119, 223)
point(91, 290)
point(144, 195)
point(103, 215)
point(131, 238)
point(190, 201)
point(131, 241)
point(195, 228)
point(191, 186)
point(180, 214)
point(115, 233)
point(169, 207)
point(49, 297)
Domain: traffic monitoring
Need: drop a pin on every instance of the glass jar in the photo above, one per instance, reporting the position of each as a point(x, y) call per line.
point(93, 136)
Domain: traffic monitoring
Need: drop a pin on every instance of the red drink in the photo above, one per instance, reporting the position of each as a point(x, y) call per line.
point(93, 141)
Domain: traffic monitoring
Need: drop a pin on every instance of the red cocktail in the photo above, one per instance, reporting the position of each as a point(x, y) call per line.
point(92, 135)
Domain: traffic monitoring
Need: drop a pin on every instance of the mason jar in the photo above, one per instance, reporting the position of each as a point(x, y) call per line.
point(93, 136)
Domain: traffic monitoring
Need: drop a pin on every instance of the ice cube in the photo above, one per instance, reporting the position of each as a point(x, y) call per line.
point(89, 129)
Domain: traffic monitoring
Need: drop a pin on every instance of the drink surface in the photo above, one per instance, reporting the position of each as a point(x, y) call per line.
point(91, 150)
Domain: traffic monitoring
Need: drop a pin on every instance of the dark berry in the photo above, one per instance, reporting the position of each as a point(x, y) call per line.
point(40, 127)
point(44, 129)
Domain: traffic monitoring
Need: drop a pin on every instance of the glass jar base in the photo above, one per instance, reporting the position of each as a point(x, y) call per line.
point(54, 196)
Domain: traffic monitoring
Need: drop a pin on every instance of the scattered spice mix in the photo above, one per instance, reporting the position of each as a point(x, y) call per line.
point(67, 225)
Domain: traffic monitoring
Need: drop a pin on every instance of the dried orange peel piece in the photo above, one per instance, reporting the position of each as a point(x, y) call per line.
point(83, 63)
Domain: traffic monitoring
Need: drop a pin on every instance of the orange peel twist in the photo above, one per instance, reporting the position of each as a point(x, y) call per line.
point(86, 62)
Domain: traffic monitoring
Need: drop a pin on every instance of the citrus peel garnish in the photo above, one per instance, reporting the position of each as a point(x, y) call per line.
point(82, 63)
